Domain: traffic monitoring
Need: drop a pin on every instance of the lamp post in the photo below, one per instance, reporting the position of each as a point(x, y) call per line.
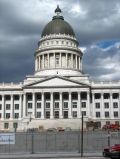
point(82, 136)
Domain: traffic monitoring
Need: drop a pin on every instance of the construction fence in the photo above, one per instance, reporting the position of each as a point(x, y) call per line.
point(45, 142)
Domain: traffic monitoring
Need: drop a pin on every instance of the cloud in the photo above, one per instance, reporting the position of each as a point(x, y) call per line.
point(21, 24)
point(102, 64)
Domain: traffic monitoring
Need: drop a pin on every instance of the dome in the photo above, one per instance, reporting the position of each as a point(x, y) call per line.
point(58, 26)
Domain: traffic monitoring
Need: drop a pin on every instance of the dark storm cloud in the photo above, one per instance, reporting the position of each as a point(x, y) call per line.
point(21, 23)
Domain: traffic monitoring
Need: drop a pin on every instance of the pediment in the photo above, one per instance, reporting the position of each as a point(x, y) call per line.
point(56, 82)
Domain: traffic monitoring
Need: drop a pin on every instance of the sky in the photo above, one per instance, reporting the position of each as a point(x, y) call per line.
point(96, 24)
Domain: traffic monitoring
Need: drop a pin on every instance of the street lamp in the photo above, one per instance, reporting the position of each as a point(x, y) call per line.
point(82, 136)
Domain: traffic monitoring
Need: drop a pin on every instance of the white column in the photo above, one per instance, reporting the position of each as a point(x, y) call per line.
point(51, 105)
point(79, 106)
point(66, 59)
point(61, 103)
point(3, 106)
point(39, 63)
point(42, 107)
point(111, 107)
point(48, 60)
point(102, 106)
point(24, 105)
point(60, 60)
point(72, 60)
point(70, 106)
point(76, 61)
point(43, 61)
point(33, 109)
point(12, 107)
point(93, 106)
point(88, 104)
point(79, 64)
point(20, 106)
point(54, 60)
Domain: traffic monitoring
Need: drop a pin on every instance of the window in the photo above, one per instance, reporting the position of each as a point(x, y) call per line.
point(47, 104)
point(16, 106)
point(83, 96)
point(74, 61)
point(74, 96)
point(16, 97)
point(7, 115)
point(83, 104)
point(65, 114)
point(115, 95)
point(84, 113)
point(29, 105)
point(115, 105)
point(47, 115)
point(6, 125)
point(74, 104)
point(65, 104)
point(74, 114)
point(47, 96)
point(56, 114)
point(69, 61)
point(97, 114)
point(65, 96)
point(107, 114)
point(97, 95)
point(107, 122)
point(98, 124)
point(29, 96)
point(106, 95)
point(115, 114)
point(117, 122)
point(16, 115)
point(97, 105)
point(7, 106)
point(38, 105)
point(38, 114)
point(15, 125)
point(106, 105)
point(0, 106)
point(57, 60)
point(38, 96)
point(56, 96)
point(46, 61)
point(0, 97)
point(7, 97)
point(56, 104)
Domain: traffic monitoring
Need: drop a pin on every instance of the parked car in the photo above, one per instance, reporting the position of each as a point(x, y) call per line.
point(110, 151)
point(51, 130)
point(112, 127)
point(115, 154)
point(60, 129)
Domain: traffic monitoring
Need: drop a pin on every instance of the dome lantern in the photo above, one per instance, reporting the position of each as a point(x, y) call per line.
point(58, 10)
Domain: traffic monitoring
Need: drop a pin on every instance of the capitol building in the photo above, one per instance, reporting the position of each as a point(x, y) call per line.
point(58, 93)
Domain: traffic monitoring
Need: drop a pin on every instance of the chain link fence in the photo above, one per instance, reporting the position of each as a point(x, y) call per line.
point(45, 142)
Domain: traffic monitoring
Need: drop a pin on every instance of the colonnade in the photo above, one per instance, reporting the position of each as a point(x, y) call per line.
point(58, 60)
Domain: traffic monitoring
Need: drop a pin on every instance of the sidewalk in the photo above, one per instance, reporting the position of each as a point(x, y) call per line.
point(51, 155)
